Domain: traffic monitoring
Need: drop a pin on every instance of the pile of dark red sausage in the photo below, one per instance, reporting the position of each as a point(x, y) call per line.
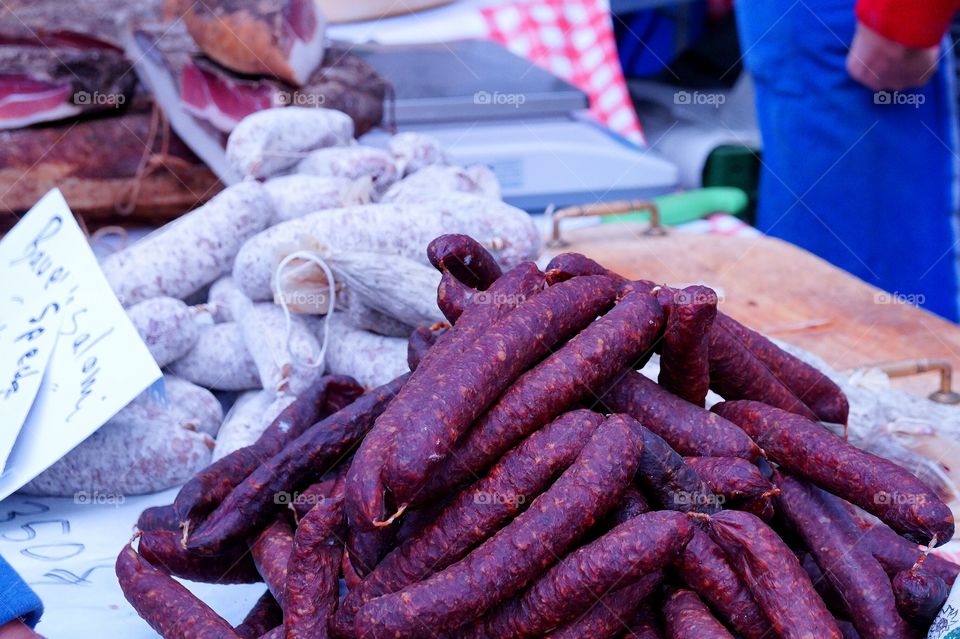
point(525, 481)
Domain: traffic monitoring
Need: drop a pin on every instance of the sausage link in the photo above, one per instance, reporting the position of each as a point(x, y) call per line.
point(465, 259)
point(877, 485)
point(774, 576)
point(643, 545)
point(567, 265)
point(478, 511)
point(365, 491)
point(158, 518)
point(313, 573)
point(609, 617)
point(367, 547)
point(163, 549)
point(688, 618)
point(813, 388)
point(303, 460)
point(271, 553)
point(422, 340)
point(733, 478)
point(573, 373)
point(704, 567)
point(202, 494)
point(690, 429)
point(585, 493)
point(171, 610)
point(920, 594)
point(737, 374)
point(855, 574)
point(453, 297)
point(263, 617)
point(431, 416)
point(671, 482)
point(646, 623)
point(684, 351)
point(632, 504)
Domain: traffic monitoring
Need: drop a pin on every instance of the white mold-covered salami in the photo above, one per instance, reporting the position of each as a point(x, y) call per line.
point(392, 229)
point(271, 141)
point(183, 402)
point(219, 360)
point(371, 359)
point(247, 419)
point(285, 356)
point(398, 287)
point(294, 196)
point(167, 326)
point(352, 162)
point(359, 315)
point(414, 151)
point(427, 182)
point(193, 250)
point(124, 458)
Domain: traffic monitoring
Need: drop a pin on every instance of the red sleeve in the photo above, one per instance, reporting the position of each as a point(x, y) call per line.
point(913, 23)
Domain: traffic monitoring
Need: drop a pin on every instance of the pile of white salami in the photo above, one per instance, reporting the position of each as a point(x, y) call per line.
point(234, 299)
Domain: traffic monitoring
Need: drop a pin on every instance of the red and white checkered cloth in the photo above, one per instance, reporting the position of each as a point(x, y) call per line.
point(574, 40)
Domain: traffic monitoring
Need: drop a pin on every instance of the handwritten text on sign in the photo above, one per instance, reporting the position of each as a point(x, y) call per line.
point(88, 356)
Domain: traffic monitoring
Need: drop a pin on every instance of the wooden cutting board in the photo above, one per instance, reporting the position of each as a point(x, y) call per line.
point(783, 291)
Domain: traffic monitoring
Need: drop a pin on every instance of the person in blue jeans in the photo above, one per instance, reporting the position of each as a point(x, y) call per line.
point(20, 608)
point(857, 113)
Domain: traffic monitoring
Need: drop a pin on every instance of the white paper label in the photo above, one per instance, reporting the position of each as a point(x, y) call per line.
point(98, 362)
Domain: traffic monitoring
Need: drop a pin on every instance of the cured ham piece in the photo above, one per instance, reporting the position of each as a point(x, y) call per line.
point(45, 84)
point(280, 38)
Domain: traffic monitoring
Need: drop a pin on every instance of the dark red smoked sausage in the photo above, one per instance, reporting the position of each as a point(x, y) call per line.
point(302, 461)
point(703, 566)
point(163, 549)
point(855, 574)
point(422, 340)
point(736, 373)
point(171, 610)
point(478, 511)
point(571, 374)
point(612, 614)
point(688, 618)
point(879, 486)
point(271, 553)
point(509, 560)
point(691, 430)
point(670, 481)
point(431, 416)
point(365, 504)
point(159, 518)
point(453, 297)
point(646, 623)
point(263, 617)
point(204, 492)
point(733, 478)
point(813, 388)
point(567, 265)
point(920, 594)
point(465, 259)
point(642, 545)
point(684, 350)
point(774, 576)
point(313, 572)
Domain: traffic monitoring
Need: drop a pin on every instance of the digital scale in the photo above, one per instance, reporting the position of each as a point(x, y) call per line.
point(489, 106)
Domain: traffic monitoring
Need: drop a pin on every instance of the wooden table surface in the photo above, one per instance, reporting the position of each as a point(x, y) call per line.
point(783, 291)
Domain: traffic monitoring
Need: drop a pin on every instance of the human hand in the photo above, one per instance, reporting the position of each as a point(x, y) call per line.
point(16, 629)
point(884, 65)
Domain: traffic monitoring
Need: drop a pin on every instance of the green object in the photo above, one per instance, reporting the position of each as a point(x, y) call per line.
point(687, 206)
point(735, 165)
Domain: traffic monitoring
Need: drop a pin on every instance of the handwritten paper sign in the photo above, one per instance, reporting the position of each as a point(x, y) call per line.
point(65, 549)
point(28, 333)
point(49, 279)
